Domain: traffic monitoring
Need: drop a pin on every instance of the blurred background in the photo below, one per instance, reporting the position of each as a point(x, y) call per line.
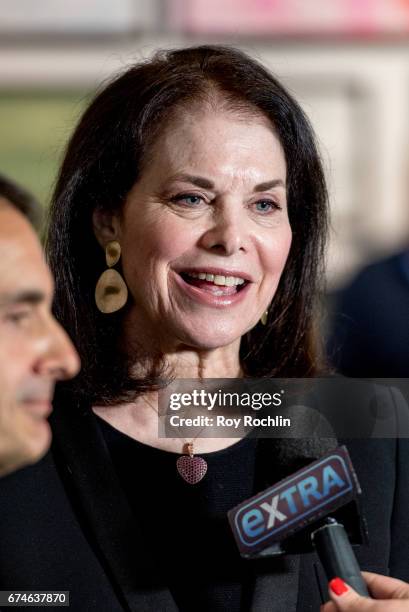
point(346, 61)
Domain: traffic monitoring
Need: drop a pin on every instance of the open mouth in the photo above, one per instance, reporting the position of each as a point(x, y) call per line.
point(216, 284)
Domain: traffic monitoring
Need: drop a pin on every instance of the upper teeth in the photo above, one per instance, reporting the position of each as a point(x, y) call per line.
point(217, 279)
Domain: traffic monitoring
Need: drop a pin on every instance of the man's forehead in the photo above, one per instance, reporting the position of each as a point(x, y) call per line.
point(17, 236)
point(12, 221)
point(22, 265)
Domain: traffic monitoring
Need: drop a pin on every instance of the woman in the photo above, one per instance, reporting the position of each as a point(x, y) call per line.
point(186, 237)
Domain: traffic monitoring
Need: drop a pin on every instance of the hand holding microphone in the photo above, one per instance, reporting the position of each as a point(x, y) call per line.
point(391, 595)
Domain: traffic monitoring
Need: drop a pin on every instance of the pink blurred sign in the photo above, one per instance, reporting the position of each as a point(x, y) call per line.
point(290, 17)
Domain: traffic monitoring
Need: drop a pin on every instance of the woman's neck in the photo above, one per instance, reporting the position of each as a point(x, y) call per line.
point(181, 361)
point(217, 363)
point(139, 419)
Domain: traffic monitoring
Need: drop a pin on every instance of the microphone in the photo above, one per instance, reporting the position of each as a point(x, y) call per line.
point(292, 515)
point(336, 555)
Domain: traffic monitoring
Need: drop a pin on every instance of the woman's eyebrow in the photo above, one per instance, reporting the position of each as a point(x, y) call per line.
point(199, 181)
point(269, 185)
point(204, 183)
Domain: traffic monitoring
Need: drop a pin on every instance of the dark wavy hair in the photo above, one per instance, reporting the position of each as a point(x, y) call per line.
point(104, 159)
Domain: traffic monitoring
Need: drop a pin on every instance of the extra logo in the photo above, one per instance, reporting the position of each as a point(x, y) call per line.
point(294, 502)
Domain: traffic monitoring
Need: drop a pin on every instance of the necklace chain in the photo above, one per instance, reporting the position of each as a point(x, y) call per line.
point(188, 446)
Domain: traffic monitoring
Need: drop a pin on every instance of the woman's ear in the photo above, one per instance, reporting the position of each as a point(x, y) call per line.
point(106, 226)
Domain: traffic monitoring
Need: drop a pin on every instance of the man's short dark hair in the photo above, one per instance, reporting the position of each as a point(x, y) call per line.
point(21, 199)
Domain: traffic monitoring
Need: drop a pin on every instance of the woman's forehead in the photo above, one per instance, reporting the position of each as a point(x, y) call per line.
point(198, 141)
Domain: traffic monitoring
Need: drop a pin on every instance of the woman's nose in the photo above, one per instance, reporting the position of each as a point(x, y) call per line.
point(59, 360)
point(228, 233)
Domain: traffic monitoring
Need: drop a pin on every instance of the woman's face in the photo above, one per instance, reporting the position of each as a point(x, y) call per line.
point(205, 232)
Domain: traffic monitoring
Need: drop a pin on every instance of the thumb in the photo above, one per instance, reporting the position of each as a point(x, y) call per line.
point(345, 598)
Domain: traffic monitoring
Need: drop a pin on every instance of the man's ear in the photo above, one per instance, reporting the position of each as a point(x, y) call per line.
point(106, 226)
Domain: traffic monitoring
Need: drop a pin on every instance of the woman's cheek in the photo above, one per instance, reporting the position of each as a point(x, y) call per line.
point(276, 250)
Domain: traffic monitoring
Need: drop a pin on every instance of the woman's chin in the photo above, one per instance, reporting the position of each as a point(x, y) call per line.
point(209, 338)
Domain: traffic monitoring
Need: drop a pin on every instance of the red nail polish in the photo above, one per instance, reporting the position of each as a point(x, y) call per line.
point(338, 586)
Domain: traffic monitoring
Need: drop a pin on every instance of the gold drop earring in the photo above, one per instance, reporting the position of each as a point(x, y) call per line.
point(264, 317)
point(111, 292)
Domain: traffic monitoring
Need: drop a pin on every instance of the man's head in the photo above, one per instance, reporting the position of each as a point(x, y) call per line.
point(21, 199)
point(35, 352)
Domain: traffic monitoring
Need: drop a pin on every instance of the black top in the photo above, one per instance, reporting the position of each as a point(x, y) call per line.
point(216, 579)
point(66, 524)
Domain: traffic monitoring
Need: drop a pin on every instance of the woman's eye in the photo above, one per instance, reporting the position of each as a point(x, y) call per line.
point(266, 206)
point(188, 199)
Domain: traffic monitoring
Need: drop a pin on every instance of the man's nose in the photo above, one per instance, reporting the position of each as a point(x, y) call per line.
point(228, 232)
point(59, 360)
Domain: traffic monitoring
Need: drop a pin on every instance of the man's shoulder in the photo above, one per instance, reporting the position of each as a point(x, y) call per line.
point(32, 486)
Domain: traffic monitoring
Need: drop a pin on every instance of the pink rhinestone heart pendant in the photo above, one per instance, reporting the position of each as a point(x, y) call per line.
point(192, 469)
